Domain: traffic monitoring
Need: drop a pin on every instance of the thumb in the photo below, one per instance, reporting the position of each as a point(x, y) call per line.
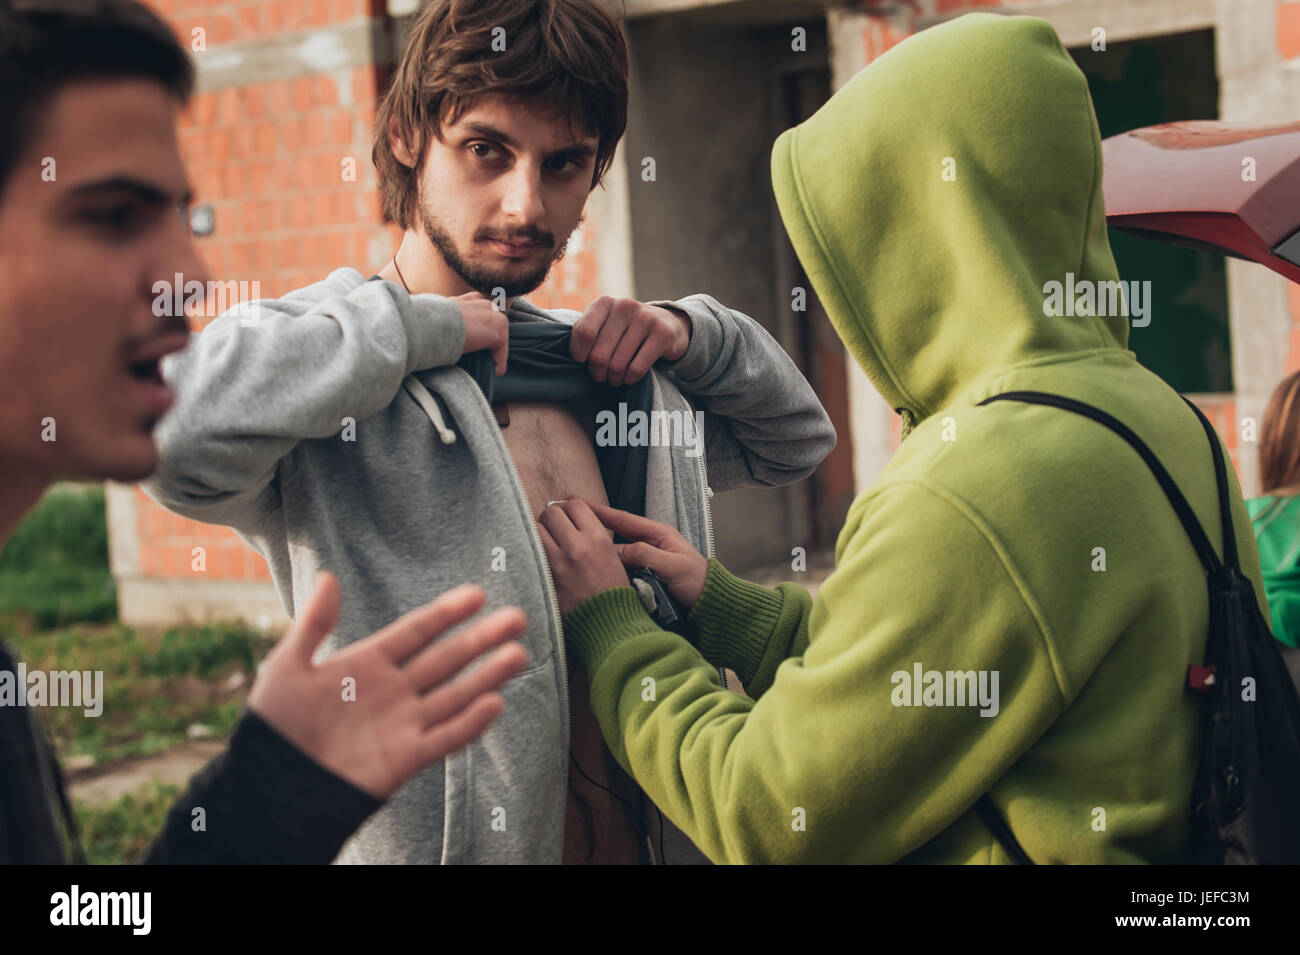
point(641, 554)
point(316, 619)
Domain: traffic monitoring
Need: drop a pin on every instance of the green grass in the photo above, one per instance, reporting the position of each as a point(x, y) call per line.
point(54, 567)
point(58, 611)
point(155, 685)
point(119, 833)
point(58, 608)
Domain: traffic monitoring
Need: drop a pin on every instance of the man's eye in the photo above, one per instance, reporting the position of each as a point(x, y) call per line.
point(477, 146)
point(572, 163)
point(119, 218)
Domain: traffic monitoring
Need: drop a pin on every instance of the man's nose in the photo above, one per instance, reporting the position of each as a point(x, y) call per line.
point(522, 201)
point(175, 254)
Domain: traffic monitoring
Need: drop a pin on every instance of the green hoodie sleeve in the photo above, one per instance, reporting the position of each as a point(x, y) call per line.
point(747, 627)
point(829, 765)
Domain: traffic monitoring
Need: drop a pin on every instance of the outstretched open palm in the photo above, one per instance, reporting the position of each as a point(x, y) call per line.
point(380, 710)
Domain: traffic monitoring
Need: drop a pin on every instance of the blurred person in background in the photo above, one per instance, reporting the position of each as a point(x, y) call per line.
point(93, 210)
point(1276, 513)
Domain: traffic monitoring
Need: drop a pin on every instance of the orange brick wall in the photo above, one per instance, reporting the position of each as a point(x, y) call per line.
point(231, 21)
point(267, 157)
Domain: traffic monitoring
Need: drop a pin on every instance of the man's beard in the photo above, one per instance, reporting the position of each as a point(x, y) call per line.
point(484, 278)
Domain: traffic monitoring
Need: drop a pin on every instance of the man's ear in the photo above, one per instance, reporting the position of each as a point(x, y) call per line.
point(400, 151)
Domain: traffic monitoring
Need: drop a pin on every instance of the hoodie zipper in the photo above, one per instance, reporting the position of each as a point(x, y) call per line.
point(546, 574)
point(541, 552)
point(430, 405)
point(704, 481)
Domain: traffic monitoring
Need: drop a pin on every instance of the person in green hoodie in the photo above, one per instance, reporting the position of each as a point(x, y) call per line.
point(1015, 604)
point(1276, 513)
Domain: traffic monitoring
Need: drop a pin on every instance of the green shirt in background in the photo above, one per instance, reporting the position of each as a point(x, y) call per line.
point(1277, 531)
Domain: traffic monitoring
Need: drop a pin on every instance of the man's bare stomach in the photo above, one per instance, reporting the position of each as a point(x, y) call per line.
point(553, 446)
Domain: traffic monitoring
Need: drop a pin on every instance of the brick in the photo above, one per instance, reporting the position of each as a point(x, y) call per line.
point(286, 253)
point(337, 248)
point(215, 257)
point(277, 16)
point(317, 130)
point(154, 520)
point(329, 170)
point(263, 140)
point(242, 144)
point(946, 6)
point(1288, 29)
point(207, 183)
point(341, 128)
point(259, 177)
point(203, 109)
point(299, 214)
point(292, 133)
point(239, 563)
point(246, 23)
point(283, 176)
point(300, 93)
point(879, 36)
point(344, 207)
point(261, 255)
point(248, 220)
point(327, 89)
point(277, 98)
point(253, 102)
point(239, 260)
point(222, 30)
point(228, 112)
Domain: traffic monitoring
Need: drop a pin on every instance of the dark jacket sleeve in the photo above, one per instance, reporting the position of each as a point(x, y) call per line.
point(29, 829)
point(262, 801)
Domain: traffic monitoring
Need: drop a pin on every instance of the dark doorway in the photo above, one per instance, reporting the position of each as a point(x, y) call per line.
point(710, 92)
point(1142, 83)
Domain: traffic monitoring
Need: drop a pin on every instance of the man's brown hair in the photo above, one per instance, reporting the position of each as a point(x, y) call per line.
point(47, 44)
point(567, 56)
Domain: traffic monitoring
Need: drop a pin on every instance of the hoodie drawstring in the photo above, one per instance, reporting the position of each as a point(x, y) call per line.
point(425, 400)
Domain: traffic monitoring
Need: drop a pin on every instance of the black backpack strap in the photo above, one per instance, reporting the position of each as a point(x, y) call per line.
point(1221, 478)
point(1204, 549)
point(991, 818)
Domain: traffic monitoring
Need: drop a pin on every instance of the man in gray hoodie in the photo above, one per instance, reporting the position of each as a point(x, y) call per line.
point(337, 428)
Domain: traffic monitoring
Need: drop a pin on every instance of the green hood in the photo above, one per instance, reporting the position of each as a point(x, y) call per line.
point(931, 283)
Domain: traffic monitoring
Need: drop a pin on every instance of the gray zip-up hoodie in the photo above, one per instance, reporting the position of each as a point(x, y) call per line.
point(300, 424)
